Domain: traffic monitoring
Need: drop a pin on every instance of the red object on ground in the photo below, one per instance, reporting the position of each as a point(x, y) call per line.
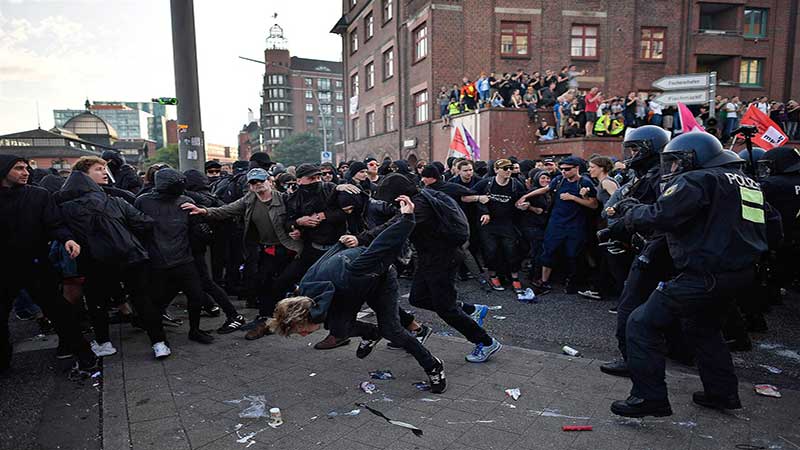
point(576, 428)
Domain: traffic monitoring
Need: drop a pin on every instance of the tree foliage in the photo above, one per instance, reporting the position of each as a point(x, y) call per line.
point(297, 149)
point(168, 154)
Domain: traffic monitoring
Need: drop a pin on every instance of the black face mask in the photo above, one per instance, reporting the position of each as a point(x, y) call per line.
point(313, 187)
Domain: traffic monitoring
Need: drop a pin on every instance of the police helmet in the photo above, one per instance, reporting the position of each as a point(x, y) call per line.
point(758, 153)
point(692, 151)
point(779, 160)
point(647, 141)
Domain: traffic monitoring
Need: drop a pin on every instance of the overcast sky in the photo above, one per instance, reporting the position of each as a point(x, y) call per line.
point(60, 52)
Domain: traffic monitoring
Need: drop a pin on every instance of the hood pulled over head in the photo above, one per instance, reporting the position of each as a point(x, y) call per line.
point(170, 182)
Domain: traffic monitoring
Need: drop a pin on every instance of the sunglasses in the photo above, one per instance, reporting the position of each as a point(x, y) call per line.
point(252, 182)
point(506, 168)
point(213, 171)
point(327, 174)
point(566, 169)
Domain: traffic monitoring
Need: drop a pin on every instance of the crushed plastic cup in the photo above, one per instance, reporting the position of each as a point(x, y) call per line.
point(381, 375)
point(257, 408)
point(767, 390)
point(368, 387)
point(513, 393)
point(528, 296)
point(570, 351)
point(275, 417)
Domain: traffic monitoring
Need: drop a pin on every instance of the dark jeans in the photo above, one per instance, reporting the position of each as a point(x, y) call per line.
point(236, 256)
point(99, 277)
point(219, 251)
point(211, 288)
point(166, 283)
point(701, 299)
point(41, 282)
point(274, 276)
point(433, 288)
point(385, 305)
point(500, 252)
point(642, 280)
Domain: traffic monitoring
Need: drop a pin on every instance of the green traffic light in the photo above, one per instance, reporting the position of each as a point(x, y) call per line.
point(166, 100)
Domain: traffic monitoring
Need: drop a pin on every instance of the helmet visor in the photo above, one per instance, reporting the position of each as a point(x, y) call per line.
point(675, 163)
point(765, 168)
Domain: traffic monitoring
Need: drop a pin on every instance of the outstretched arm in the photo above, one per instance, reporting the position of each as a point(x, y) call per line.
point(383, 251)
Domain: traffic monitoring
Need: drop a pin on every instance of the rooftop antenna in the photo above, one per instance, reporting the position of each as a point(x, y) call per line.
point(38, 118)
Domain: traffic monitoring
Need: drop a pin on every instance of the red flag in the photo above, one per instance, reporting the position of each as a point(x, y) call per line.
point(769, 133)
point(688, 122)
point(457, 145)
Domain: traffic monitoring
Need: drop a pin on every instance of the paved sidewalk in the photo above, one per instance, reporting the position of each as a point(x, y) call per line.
point(193, 400)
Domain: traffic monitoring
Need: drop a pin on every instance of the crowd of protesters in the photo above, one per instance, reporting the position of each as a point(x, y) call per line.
point(578, 112)
point(103, 240)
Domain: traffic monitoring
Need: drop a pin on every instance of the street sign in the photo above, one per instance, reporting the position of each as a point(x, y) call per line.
point(685, 97)
point(326, 157)
point(683, 82)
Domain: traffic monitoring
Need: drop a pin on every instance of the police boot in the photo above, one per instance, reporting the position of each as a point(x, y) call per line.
point(714, 402)
point(618, 368)
point(638, 407)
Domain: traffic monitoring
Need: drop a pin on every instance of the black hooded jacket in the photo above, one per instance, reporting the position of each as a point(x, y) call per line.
point(103, 225)
point(125, 176)
point(198, 189)
point(170, 244)
point(29, 218)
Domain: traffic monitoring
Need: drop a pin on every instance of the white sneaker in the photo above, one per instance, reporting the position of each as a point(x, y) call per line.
point(161, 350)
point(104, 349)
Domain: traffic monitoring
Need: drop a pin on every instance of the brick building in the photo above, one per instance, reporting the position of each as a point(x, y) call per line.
point(398, 53)
point(299, 95)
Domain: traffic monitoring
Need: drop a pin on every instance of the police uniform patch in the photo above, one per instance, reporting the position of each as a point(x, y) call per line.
point(670, 190)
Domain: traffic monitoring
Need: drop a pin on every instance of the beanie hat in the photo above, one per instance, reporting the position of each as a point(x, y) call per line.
point(393, 186)
point(356, 167)
point(431, 171)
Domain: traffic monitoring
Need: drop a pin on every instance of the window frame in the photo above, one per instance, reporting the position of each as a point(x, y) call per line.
point(652, 40)
point(369, 75)
point(764, 24)
point(354, 41)
point(759, 73)
point(369, 26)
point(584, 36)
point(355, 128)
point(371, 123)
point(388, 118)
point(309, 107)
point(388, 63)
point(421, 108)
point(513, 24)
point(388, 10)
point(417, 40)
point(355, 84)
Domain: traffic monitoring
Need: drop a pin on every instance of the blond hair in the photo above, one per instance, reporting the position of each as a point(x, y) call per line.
point(289, 313)
point(86, 162)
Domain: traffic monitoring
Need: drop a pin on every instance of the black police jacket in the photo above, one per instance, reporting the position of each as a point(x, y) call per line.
point(714, 220)
point(783, 193)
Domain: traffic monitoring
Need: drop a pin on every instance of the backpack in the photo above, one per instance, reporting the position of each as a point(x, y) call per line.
point(111, 241)
point(452, 225)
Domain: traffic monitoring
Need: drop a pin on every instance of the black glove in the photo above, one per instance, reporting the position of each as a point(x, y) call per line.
point(623, 206)
point(618, 232)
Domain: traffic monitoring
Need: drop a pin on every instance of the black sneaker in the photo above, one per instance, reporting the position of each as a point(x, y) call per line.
point(423, 334)
point(618, 368)
point(255, 322)
point(541, 287)
point(87, 363)
point(45, 326)
point(210, 311)
point(62, 352)
point(365, 347)
point(170, 321)
point(485, 284)
point(436, 378)
point(232, 325)
point(709, 401)
point(201, 336)
point(638, 407)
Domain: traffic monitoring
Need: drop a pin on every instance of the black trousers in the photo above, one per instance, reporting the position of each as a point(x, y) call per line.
point(500, 252)
point(211, 288)
point(236, 257)
point(273, 275)
point(433, 288)
point(41, 282)
point(166, 283)
point(137, 283)
point(219, 251)
point(700, 299)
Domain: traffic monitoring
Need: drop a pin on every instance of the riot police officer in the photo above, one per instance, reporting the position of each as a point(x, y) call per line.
point(653, 263)
point(713, 218)
point(750, 163)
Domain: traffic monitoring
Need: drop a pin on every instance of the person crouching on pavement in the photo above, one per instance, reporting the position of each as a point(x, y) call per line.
point(336, 286)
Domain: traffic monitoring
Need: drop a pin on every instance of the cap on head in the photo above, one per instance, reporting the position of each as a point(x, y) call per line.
point(502, 163)
point(307, 170)
point(431, 171)
point(257, 174)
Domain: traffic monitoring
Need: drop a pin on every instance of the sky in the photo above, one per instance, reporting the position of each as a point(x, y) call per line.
point(61, 52)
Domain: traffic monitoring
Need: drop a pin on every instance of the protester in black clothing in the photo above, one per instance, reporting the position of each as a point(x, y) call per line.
point(123, 175)
point(106, 226)
point(338, 284)
point(499, 234)
point(433, 286)
point(29, 219)
point(329, 173)
point(170, 249)
point(213, 171)
point(197, 190)
point(533, 221)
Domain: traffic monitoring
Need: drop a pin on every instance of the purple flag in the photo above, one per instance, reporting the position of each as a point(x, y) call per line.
point(476, 151)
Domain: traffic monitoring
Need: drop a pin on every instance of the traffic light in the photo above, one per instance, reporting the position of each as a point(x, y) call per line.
point(166, 100)
point(711, 126)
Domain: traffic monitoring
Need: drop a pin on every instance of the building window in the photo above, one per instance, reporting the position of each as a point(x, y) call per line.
point(370, 71)
point(310, 107)
point(356, 131)
point(369, 27)
point(421, 107)
point(514, 38)
point(371, 123)
point(339, 109)
point(584, 41)
point(310, 120)
point(755, 22)
point(309, 94)
point(308, 82)
point(339, 95)
point(388, 117)
point(324, 84)
point(354, 41)
point(388, 64)
point(324, 96)
point(276, 120)
point(421, 42)
point(338, 84)
point(750, 72)
point(387, 10)
point(354, 84)
point(653, 43)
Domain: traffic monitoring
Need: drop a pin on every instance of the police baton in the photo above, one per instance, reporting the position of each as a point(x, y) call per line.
point(748, 131)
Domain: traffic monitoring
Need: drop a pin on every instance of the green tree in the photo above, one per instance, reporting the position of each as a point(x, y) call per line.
point(297, 149)
point(168, 154)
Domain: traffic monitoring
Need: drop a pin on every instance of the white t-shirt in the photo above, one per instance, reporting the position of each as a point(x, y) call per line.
point(763, 107)
point(656, 107)
point(730, 108)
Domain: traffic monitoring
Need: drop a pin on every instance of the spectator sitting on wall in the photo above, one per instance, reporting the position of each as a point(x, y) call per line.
point(497, 100)
point(516, 100)
point(603, 124)
point(453, 109)
point(545, 131)
point(444, 100)
point(531, 101)
point(573, 128)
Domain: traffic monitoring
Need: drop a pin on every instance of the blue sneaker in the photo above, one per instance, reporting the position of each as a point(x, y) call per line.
point(479, 314)
point(482, 353)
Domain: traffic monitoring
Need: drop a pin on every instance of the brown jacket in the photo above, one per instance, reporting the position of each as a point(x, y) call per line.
point(243, 208)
